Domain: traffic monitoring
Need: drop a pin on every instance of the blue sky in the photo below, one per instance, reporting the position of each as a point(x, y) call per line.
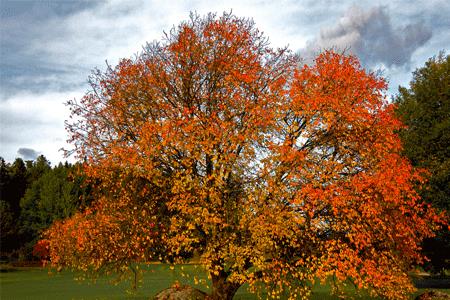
point(48, 48)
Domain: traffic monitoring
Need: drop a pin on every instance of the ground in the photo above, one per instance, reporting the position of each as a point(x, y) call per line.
point(35, 283)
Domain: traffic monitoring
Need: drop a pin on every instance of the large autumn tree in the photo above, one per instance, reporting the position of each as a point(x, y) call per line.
point(276, 174)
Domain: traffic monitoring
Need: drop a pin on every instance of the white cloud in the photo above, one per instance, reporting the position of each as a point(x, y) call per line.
point(117, 29)
point(35, 122)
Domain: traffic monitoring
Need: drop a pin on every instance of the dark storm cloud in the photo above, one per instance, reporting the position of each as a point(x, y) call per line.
point(28, 153)
point(42, 9)
point(372, 37)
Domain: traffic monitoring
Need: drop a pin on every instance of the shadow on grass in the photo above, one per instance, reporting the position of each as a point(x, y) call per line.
point(8, 269)
point(432, 283)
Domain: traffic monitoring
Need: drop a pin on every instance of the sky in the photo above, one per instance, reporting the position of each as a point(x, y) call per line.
point(49, 48)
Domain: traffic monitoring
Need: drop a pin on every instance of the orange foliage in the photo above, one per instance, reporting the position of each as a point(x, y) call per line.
point(274, 173)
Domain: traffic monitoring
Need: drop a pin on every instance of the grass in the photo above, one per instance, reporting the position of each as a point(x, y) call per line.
point(37, 283)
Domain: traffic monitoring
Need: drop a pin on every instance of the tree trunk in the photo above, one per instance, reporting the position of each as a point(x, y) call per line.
point(134, 282)
point(221, 288)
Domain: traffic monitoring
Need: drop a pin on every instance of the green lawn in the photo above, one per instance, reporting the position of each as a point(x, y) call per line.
point(36, 283)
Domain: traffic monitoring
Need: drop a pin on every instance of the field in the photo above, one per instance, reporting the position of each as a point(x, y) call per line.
point(37, 283)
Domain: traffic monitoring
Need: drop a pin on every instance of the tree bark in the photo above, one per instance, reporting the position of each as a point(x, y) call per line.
point(221, 288)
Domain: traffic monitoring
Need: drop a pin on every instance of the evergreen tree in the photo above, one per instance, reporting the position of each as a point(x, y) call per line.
point(32, 196)
point(53, 196)
point(13, 183)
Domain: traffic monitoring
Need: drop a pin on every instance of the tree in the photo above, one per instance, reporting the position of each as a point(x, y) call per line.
point(32, 197)
point(51, 196)
point(7, 225)
point(17, 185)
point(276, 174)
point(425, 110)
point(37, 168)
point(13, 183)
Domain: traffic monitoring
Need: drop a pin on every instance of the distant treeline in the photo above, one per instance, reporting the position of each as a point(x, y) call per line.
point(33, 195)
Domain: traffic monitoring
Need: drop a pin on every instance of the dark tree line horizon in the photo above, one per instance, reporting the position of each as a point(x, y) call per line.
point(33, 194)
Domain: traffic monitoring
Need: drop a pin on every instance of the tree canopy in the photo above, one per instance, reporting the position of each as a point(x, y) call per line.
point(425, 110)
point(275, 173)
